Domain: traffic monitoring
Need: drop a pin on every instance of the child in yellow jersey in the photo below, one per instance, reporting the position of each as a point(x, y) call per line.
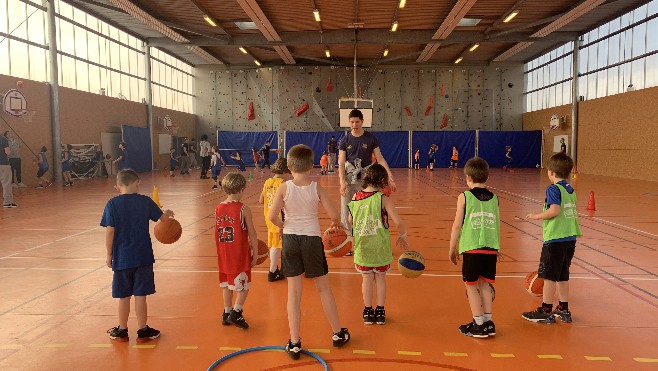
point(280, 168)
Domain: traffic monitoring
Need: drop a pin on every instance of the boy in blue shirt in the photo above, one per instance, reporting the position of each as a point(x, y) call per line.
point(560, 229)
point(130, 252)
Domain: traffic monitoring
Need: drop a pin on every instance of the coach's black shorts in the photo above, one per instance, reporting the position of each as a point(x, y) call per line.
point(477, 265)
point(555, 260)
point(303, 254)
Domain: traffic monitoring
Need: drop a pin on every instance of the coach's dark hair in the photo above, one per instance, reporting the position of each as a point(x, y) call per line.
point(478, 169)
point(356, 113)
point(561, 164)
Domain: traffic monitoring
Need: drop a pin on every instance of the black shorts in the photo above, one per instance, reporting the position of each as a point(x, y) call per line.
point(555, 260)
point(303, 254)
point(416, 162)
point(431, 160)
point(479, 266)
point(137, 281)
point(40, 172)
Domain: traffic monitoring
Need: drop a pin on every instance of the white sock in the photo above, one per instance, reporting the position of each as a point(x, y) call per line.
point(488, 316)
point(227, 310)
point(478, 320)
point(237, 307)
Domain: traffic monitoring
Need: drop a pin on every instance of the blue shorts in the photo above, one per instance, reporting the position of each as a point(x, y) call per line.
point(214, 173)
point(133, 281)
point(67, 166)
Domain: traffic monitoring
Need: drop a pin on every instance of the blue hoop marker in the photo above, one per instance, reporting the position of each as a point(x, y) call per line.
point(248, 350)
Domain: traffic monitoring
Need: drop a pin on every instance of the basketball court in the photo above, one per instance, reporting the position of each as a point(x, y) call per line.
point(518, 78)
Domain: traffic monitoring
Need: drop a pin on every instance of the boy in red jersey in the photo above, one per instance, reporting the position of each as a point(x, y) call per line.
point(234, 234)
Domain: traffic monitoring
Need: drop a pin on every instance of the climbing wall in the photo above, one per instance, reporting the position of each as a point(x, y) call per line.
point(260, 94)
point(475, 101)
point(392, 100)
point(425, 118)
point(443, 100)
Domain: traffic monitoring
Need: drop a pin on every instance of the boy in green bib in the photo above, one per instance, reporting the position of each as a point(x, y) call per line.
point(477, 229)
point(560, 229)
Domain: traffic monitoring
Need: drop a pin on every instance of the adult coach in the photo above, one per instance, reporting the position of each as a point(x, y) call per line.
point(332, 148)
point(204, 152)
point(5, 174)
point(355, 152)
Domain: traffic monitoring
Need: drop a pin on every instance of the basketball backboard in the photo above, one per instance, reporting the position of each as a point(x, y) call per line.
point(14, 103)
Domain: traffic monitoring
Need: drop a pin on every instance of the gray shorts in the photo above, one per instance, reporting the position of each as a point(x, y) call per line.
point(303, 254)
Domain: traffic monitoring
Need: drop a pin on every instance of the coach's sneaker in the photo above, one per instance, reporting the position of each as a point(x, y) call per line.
point(294, 349)
point(118, 334)
point(489, 328)
point(236, 318)
point(341, 337)
point(225, 321)
point(380, 315)
point(147, 334)
point(473, 330)
point(563, 315)
point(368, 315)
point(539, 316)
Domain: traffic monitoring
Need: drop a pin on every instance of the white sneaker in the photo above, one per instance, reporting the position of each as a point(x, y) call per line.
point(14, 185)
point(22, 185)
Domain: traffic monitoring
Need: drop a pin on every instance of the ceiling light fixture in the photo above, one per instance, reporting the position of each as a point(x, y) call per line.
point(510, 16)
point(458, 60)
point(403, 3)
point(385, 52)
point(257, 62)
point(327, 53)
point(242, 49)
point(394, 27)
point(316, 14)
point(472, 48)
point(209, 20)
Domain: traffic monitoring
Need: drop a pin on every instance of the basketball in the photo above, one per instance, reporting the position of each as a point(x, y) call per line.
point(19, 84)
point(336, 243)
point(386, 191)
point(167, 231)
point(263, 252)
point(411, 264)
point(533, 284)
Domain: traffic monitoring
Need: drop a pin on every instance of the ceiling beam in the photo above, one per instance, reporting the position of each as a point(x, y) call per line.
point(193, 30)
point(205, 13)
point(500, 20)
point(458, 12)
point(258, 17)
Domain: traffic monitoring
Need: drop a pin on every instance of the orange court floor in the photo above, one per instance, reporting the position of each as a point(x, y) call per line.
point(56, 304)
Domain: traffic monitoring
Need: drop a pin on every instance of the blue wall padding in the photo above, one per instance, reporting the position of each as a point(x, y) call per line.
point(318, 141)
point(394, 146)
point(526, 148)
point(138, 146)
point(228, 142)
point(463, 140)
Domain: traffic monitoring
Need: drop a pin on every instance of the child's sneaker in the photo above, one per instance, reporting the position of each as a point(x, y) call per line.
point(275, 276)
point(539, 316)
point(368, 315)
point(341, 337)
point(489, 327)
point(380, 315)
point(147, 334)
point(563, 315)
point(236, 318)
point(474, 330)
point(294, 349)
point(225, 321)
point(214, 188)
point(118, 334)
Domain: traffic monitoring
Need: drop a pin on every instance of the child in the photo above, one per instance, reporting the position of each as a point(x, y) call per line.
point(432, 155)
point(560, 225)
point(324, 163)
point(477, 228)
point(238, 157)
point(302, 251)
point(43, 168)
point(173, 160)
point(256, 155)
point(130, 253)
point(122, 159)
point(369, 213)
point(563, 146)
point(417, 159)
point(234, 234)
point(279, 168)
point(455, 158)
point(216, 162)
point(67, 165)
point(508, 157)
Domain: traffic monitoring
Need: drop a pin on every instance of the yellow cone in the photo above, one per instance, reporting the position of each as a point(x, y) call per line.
point(156, 197)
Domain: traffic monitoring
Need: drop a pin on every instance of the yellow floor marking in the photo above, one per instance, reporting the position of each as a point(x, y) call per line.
point(646, 360)
point(11, 346)
point(357, 351)
point(229, 348)
point(453, 354)
point(326, 351)
point(100, 345)
point(55, 345)
point(502, 355)
point(549, 356)
point(590, 358)
point(187, 347)
point(407, 353)
point(140, 346)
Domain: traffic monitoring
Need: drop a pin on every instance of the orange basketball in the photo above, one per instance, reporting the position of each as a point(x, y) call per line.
point(336, 243)
point(167, 231)
point(263, 252)
point(19, 84)
point(533, 284)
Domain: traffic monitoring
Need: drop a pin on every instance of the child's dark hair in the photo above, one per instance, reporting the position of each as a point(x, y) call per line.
point(234, 183)
point(68, 147)
point(300, 158)
point(375, 176)
point(44, 149)
point(561, 165)
point(478, 169)
point(127, 177)
point(280, 166)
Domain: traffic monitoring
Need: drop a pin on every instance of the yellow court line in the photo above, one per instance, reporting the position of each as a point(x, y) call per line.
point(187, 347)
point(502, 355)
point(591, 358)
point(408, 353)
point(357, 351)
point(325, 351)
point(141, 346)
point(100, 345)
point(55, 345)
point(11, 346)
point(646, 360)
point(455, 354)
point(229, 348)
point(549, 356)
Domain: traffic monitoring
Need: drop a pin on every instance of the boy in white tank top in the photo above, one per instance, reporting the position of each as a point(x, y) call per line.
point(302, 244)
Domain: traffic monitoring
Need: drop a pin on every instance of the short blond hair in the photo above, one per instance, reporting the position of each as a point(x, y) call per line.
point(127, 177)
point(300, 158)
point(234, 183)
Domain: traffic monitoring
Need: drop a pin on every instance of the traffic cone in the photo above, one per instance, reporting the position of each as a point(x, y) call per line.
point(251, 176)
point(156, 197)
point(575, 169)
point(427, 169)
point(591, 204)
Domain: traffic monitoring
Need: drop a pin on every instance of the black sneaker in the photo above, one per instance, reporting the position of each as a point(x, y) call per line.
point(490, 328)
point(225, 321)
point(275, 276)
point(539, 316)
point(214, 188)
point(147, 334)
point(349, 253)
point(368, 315)
point(563, 315)
point(236, 318)
point(118, 334)
point(473, 330)
point(294, 349)
point(380, 315)
point(341, 337)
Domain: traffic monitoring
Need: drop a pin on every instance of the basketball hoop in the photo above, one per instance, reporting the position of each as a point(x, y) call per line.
point(14, 103)
point(167, 124)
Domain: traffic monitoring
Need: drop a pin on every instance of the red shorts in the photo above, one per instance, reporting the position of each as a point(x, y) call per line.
point(380, 270)
point(235, 281)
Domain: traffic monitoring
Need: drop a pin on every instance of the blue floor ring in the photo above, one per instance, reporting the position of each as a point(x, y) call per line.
point(271, 347)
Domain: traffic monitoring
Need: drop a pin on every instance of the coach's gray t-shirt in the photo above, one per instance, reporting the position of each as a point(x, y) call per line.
point(359, 147)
